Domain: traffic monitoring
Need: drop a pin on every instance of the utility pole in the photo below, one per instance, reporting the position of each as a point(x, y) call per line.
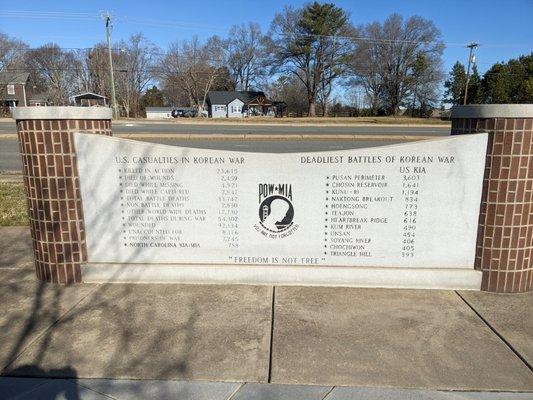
point(107, 19)
point(471, 60)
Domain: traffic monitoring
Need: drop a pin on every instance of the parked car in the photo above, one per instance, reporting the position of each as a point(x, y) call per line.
point(189, 113)
point(186, 113)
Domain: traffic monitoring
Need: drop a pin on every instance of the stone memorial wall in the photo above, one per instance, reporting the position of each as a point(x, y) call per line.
point(395, 216)
point(411, 205)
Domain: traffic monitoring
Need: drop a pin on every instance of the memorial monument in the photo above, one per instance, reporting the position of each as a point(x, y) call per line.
point(406, 215)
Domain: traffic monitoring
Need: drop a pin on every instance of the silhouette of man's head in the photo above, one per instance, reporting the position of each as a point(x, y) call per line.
point(278, 210)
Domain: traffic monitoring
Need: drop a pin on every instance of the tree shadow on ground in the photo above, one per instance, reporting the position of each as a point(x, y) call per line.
point(107, 317)
point(15, 247)
point(65, 391)
point(51, 335)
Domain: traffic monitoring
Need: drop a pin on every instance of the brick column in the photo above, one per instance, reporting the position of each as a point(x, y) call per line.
point(505, 234)
point(52, 185)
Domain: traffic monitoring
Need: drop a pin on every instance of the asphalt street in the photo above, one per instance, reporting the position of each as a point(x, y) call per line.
point(158, 128)
point(10, 158)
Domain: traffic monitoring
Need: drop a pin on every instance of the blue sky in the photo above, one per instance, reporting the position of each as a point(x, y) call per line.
point(504, 28)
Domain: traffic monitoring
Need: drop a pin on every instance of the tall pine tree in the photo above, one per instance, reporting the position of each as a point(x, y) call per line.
point(475, 91)
point(510, 82)
point(455, 84)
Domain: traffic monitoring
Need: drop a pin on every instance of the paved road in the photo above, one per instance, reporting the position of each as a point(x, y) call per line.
point(10, 158)
point(158, 128)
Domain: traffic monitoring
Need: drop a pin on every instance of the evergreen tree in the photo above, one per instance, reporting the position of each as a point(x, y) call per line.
point(510, 82)
point(152, 98)
point(455, 84)
point(475, 90)
point(312, 43)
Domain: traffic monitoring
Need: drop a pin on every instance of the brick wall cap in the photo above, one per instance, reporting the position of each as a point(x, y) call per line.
point(49, 112)
point(493, 111)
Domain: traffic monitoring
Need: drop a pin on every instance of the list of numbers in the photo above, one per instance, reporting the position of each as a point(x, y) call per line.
point(228, 214)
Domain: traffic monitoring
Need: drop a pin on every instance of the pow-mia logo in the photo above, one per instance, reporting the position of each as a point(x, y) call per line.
point(276, 211)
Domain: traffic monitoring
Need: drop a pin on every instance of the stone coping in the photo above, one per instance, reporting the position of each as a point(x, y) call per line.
point(493, 111)
point(25, 113)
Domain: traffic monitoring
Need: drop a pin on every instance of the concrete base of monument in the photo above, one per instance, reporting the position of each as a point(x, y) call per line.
point(412, 278)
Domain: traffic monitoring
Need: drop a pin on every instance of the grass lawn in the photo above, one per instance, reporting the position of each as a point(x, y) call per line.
point(12, 204)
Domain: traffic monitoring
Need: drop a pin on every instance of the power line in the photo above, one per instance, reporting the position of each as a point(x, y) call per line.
point(189, 25)
point(157, 70)
point(52, 15)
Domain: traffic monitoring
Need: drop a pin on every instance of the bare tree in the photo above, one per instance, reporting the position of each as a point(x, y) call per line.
point(245, 55)
point(289, 89)
point(93, 74)
point(365, 65)
point(311, 43)
point(133, 64)
point(54, 72)
point(338, 55)
point(194, 68)
point(11, 52)
point(385, 60)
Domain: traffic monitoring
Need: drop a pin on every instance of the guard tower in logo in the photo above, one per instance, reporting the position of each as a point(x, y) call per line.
point(276, 211)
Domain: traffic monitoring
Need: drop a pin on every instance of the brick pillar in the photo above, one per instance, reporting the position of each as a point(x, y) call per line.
point(52, 185)
point(504, 250)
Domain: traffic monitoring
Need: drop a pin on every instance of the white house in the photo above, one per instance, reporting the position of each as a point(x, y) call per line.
point(237, 104)
point(158, 112)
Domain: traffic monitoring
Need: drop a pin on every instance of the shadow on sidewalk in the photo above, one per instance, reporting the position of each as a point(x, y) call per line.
point(16, 249)
point(106, 313)
point(66, 390)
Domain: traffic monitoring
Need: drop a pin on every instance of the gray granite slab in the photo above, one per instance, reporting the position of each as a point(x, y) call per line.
point(160, 332)
point(161, 390)
point(389, 338)
point(350, 393)
point(510, 314)
point(269, 391)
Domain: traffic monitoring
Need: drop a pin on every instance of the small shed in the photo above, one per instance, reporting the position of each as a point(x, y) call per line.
point(38, 99)
point(89, 99)
point(158, 112)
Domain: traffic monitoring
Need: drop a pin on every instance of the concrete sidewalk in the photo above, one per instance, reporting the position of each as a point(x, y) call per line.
point(334, 343)
point(102, 389)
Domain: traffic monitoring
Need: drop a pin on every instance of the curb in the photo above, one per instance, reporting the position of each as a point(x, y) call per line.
point(258, 136)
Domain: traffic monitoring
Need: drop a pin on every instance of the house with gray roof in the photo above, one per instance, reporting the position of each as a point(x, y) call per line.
point(17, 91)
point(238, 104)
point(14, 90)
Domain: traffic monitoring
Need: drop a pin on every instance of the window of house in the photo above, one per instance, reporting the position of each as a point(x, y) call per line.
point(10, 89)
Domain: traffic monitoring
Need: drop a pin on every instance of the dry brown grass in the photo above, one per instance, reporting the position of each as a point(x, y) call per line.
point(13, 210)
